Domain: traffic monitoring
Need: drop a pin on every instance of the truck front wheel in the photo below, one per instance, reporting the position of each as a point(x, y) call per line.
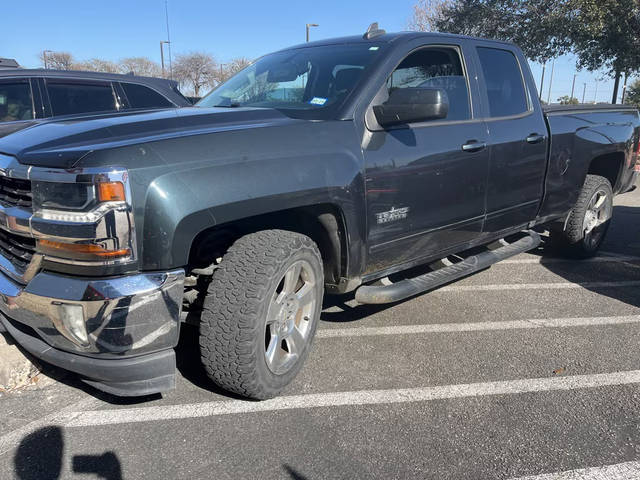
point(589, 220)
point(261, 312)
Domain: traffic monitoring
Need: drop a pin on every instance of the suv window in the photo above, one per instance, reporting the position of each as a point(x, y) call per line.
point(70, 98)
point(15, 101)
point(438, 67)
point(504, 83)
point(143, 97)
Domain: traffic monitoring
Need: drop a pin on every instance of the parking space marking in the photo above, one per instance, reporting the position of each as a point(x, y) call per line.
point(543, 260)
point(353, 398)
point(621, 471)
point(537, 286)
point(475, 326)
point(11, 439)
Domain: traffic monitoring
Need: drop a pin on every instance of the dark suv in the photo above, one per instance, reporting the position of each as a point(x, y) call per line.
point(28, 95)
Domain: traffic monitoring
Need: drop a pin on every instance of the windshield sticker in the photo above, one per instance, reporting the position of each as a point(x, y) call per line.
point(318, 101)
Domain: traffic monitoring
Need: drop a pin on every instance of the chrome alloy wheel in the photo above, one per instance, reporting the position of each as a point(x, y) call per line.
point(598, 212)
point(289, 317)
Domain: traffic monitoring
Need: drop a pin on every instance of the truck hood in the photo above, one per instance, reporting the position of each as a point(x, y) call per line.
point(62, 142)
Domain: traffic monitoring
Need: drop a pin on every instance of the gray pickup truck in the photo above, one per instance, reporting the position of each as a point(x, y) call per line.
point(335, 166)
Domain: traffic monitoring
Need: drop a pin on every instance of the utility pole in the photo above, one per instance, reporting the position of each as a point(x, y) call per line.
point(573, 87)
point(553, 66)
point(584, 90)
point(44, 58)
point(624, 88)
point(595, 97)
point(309, 25)
point(544, 67)
point(162, 55)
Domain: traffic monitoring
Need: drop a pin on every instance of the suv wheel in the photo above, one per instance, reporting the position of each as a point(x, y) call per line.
point(261, 312)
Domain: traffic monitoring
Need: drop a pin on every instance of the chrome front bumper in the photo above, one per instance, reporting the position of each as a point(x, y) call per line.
point(129, 320)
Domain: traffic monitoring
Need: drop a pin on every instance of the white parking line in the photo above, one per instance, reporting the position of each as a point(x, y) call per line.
point(475, 326)
point(364, 397)
point(621, 471)
point(537, 286)
point(543, 260)
point(11, 439)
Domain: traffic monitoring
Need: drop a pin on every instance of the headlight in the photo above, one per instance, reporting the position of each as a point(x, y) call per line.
point(83, 217)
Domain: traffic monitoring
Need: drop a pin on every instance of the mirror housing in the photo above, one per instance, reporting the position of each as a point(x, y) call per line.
point(412, 105)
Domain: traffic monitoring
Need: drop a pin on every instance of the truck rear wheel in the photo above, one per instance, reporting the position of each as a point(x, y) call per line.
point(589, 220)
point(261, 312)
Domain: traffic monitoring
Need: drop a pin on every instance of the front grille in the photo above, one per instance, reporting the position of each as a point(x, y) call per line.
point(19, 250)
point(15, 192)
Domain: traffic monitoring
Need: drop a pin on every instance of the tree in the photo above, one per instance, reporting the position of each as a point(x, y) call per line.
point(56, 60)
point(195, 70)
point(567, 100)
point(537, 26)
point(139, 66)
point(228, 70)
point(606, 36)
point(633, 94)
point(96, 65)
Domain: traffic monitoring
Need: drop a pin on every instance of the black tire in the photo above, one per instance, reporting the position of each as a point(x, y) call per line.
point(234, 331)
point(573, 240)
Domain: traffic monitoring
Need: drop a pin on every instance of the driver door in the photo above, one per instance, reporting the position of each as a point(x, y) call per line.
point(426, 182)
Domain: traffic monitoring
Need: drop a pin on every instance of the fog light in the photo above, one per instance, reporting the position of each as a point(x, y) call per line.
point(71, 323)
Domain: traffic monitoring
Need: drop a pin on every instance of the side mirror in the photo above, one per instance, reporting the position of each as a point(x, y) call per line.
point(411, 105)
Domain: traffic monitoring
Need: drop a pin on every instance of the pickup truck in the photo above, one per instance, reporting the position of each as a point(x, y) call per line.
point(380, 164)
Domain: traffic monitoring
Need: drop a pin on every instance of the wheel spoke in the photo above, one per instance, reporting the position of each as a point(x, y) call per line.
point(291, 279)
point(306, 295)
point(295, 341)
point(599, 201)
point(273, 349)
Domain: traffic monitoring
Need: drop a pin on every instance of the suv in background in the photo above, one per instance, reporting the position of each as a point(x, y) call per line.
point(27, 95)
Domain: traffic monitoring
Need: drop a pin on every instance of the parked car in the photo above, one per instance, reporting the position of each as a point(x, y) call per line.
point(27, 96)
point(324, 167)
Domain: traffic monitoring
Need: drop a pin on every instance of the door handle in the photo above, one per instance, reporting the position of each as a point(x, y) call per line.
point(474, 146)
point(535, 138)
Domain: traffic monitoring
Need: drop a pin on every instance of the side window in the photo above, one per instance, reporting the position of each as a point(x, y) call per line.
point(504, 82)
point(70, 98)
point(15, 101)
point(143, 97)
point(437, 67)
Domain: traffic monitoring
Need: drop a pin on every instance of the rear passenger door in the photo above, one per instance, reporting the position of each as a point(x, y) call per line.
point(517, 137)
point(71, 96)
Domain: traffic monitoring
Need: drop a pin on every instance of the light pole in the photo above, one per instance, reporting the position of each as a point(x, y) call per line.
point(544, 67)
point(309, 25)
point(584, 90)
point(573, 87)
point(162, 42)
point(595, 97)
point(44, 58)
point(553, 66)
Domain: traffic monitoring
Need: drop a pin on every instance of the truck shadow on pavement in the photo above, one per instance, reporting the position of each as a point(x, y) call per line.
point(40, 456)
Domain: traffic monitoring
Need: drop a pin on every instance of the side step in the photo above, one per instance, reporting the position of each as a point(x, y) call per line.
point(379, 294)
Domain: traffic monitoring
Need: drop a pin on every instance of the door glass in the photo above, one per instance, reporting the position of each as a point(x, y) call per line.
point(438, 68)
point(504, 83)
point(69, 98)
point(15, 101)
point(143, 97)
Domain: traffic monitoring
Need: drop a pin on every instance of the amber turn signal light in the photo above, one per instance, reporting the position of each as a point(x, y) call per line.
point(111, 192)
point(61, 248)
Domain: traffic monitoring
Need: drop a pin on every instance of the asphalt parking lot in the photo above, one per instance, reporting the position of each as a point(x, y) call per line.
point(525, 370)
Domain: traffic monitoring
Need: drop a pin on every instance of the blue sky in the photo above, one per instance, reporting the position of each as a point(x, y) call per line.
point(226, 29)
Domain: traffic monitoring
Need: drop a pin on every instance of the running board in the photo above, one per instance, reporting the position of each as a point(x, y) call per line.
point(379, 294)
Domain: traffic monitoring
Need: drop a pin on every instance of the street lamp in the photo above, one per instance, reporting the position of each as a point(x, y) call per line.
point(44, 58)
point(309, 25)
point(573, 87)
point(162, 54)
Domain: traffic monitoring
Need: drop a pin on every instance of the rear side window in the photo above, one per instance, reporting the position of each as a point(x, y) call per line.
point(503, 81)
point(15, 101)
point(143, 97)
point(435, 67)
point(70, 98)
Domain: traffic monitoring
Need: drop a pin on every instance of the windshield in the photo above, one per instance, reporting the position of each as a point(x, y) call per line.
point(311, 82)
